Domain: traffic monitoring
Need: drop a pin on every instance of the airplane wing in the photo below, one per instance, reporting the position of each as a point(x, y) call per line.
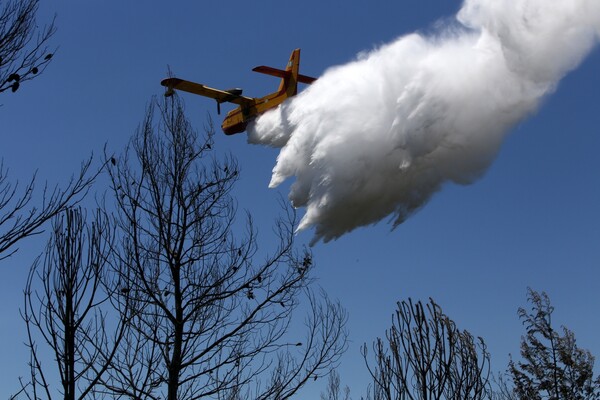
point(220, 95)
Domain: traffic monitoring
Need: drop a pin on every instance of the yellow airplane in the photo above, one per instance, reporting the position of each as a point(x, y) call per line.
point(249, 107)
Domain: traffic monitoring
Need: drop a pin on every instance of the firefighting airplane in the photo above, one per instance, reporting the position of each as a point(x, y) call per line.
point(249, 107)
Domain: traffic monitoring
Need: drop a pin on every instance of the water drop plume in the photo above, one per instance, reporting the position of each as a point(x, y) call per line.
point(377, 137)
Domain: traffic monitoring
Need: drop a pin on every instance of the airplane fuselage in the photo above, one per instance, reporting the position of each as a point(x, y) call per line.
point(237, 119)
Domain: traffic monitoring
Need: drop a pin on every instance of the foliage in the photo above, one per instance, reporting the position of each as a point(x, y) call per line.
point(553, 366)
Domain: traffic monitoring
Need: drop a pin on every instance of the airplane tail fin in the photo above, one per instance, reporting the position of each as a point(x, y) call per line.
point(290, 85)
point(290, 76)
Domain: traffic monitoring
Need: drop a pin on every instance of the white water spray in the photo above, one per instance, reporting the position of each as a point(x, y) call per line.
point(377, 137)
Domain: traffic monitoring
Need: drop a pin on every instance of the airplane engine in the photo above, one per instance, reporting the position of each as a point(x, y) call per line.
point(235, 91)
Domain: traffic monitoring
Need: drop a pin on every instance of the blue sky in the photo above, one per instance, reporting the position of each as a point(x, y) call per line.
point(532, 220)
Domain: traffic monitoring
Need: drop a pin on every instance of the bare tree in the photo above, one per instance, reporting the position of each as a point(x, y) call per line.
point(65, 309)
point(23, 46)
point(20, 218)
point(334, 390)
point(553, 366)
point(209, 316)
point(425, 356)
point(23, 56)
